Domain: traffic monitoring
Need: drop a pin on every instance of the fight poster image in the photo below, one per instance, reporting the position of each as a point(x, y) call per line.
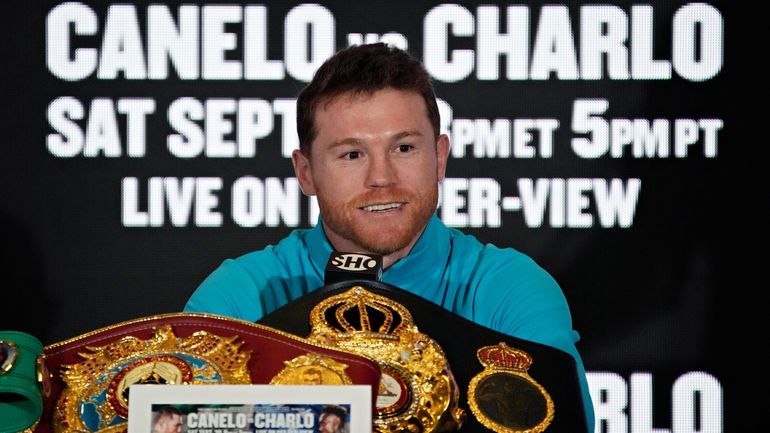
point(250, 409)
point(259, 418)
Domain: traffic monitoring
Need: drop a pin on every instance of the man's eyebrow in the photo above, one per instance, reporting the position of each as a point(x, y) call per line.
point(409, 133)
point(349, 140)
point(352, 141)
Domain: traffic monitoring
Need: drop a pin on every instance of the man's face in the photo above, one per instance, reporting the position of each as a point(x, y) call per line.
point(375, 167)
point(172, 424)
point(312, 377)
point(329, 423)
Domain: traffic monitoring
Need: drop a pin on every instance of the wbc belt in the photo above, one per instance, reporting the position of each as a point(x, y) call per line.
point(21, 402)
point(81, 384)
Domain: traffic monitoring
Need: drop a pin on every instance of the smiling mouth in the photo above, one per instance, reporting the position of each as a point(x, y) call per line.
point(384, 207)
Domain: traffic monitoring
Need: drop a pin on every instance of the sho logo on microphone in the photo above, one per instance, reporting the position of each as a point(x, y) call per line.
point(353, 266)
point(353, 262)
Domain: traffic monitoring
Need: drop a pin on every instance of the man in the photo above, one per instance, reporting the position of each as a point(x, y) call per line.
point(372, 153)
point(312, 376)
point(167, 419)
point(332, 420)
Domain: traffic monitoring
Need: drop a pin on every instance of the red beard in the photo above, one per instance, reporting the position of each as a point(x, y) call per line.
point(385, 235)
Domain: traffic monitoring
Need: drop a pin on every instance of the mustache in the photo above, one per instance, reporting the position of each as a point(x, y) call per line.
point(376, 197)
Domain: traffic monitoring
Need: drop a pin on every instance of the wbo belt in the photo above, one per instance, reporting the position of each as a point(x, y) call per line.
point(485, 380)
point(81, 384)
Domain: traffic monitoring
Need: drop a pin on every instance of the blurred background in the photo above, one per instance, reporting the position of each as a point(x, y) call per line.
point(146, 142)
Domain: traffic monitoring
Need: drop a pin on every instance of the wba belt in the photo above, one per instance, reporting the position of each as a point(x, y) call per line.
point(440, 372)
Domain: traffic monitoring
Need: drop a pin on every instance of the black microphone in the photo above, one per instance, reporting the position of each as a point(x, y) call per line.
point(352, 266)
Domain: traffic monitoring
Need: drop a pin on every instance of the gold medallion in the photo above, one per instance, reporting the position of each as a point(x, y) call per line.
point(395, 392)
point(312, 369)
point(417, 391)
point(503, 397)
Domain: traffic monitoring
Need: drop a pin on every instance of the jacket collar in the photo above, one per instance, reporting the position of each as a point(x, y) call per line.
point(428, 256)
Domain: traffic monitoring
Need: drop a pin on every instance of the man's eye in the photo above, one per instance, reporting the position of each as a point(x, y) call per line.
point(405, 147)
point(352, 155)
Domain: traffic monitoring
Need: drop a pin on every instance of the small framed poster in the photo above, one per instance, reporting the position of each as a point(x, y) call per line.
point(250, 409)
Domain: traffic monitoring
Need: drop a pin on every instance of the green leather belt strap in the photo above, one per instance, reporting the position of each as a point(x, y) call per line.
point(21, 401)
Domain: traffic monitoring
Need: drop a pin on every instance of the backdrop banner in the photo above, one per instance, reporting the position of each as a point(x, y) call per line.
point(145, 142)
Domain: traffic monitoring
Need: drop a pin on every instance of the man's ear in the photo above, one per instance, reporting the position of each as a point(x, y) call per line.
point(442, 154)
point(303, 172)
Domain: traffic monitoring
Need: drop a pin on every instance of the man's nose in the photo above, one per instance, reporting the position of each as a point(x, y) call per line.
point(381, 171)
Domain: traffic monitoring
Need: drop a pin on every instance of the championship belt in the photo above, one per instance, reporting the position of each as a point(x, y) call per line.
point(85, 380)
point(417, 392)
point(21, 400)
point(492, 371)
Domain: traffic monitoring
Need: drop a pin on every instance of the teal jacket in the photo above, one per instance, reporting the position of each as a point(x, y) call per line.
point(500, 288)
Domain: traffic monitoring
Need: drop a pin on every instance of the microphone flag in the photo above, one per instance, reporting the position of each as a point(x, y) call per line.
point(344, 266)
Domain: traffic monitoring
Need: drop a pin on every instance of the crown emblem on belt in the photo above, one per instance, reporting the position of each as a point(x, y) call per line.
point(417, 391)
point(504, 357)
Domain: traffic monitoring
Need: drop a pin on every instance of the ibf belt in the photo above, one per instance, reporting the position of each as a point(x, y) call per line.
point(88, 377)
